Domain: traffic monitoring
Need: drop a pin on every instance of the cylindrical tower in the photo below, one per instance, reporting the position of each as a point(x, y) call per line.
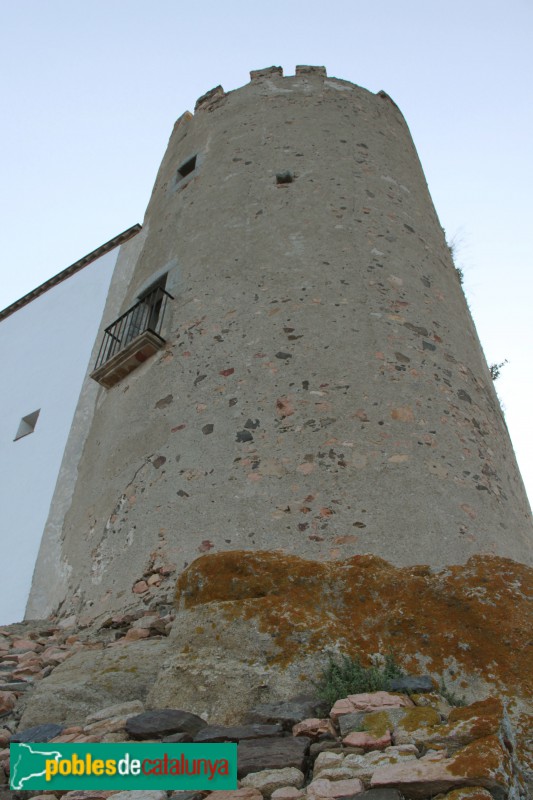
point(321, 389)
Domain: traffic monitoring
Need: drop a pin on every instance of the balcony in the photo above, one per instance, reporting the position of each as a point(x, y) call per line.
point(131, 339)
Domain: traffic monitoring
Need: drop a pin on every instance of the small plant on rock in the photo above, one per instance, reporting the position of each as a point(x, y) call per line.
point(345, 675)
point(452, 698)
point(495, 369)
point(454, 245)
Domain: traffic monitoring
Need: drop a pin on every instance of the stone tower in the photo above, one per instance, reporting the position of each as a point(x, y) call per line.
point(310, 380)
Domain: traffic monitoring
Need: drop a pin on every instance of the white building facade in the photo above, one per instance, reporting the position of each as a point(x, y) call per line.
point(46, 341)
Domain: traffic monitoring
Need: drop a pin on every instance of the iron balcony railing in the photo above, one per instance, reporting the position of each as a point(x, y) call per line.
point(146, 315)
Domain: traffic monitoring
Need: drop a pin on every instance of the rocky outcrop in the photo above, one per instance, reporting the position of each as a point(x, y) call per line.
point(94, 678)
point(250, 630)
point(265, 623)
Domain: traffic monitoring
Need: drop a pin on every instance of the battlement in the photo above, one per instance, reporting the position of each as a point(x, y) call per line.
point(265, 76)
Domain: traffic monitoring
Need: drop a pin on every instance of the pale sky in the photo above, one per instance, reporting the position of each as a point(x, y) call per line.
point(90, 92)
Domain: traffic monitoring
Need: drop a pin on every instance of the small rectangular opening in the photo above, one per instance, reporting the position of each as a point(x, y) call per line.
point(284, 177)
point(27, 424)
point(187, 168)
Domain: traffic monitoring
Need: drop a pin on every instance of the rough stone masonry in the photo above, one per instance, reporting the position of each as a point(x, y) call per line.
point(321, 391)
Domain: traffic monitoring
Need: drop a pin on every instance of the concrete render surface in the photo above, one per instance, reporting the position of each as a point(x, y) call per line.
point(322, 390)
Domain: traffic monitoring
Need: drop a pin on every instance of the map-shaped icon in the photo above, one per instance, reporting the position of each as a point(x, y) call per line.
point(28, 761)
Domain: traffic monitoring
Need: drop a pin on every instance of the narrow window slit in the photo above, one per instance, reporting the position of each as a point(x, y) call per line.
point(187, 168)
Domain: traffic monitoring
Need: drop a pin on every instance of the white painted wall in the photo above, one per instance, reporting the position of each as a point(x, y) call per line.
point(45, 348)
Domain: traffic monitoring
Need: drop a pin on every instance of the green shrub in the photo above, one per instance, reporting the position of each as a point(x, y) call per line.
point(345, 675)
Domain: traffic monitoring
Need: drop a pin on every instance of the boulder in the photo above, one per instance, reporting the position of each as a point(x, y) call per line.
point(92, 680)
point(289, 712)
point(37, 733)
point(257, 755)
point(451, 736)
point(341, 707)
point(24, 644)
point(267, 781)
point(220, 669)
point(313, 727)
point(163, 722)
point(490, 706)
point(136, 634)
point(400, 719)
point(483, 763)
point(236, 733)
point(322, 788)
point(327, 760)
point(466, 724)
point(364, 766)
point(376, 701)
point(341, 773)
point(368, 741)
point(8, 701)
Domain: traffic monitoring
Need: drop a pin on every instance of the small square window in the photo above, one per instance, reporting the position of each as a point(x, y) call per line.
point(27, 424)
point(186, 168)
point(284, 177)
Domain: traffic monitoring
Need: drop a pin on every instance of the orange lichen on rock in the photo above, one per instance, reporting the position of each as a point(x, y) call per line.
point(489, 707)
point(477, 727)
point(474, 613)
point(482, 764)
point(411, 719)
point(414, 718)
point(469, 793)
point(450, 738)
point(484, 757)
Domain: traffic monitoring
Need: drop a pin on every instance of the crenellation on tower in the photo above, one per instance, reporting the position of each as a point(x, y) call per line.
point(385, 96)
point(182, 119)
point(258, 74)
point(208, 100)
point(304, 69)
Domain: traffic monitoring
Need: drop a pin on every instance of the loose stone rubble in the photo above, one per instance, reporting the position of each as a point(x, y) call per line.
point(373, 746)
